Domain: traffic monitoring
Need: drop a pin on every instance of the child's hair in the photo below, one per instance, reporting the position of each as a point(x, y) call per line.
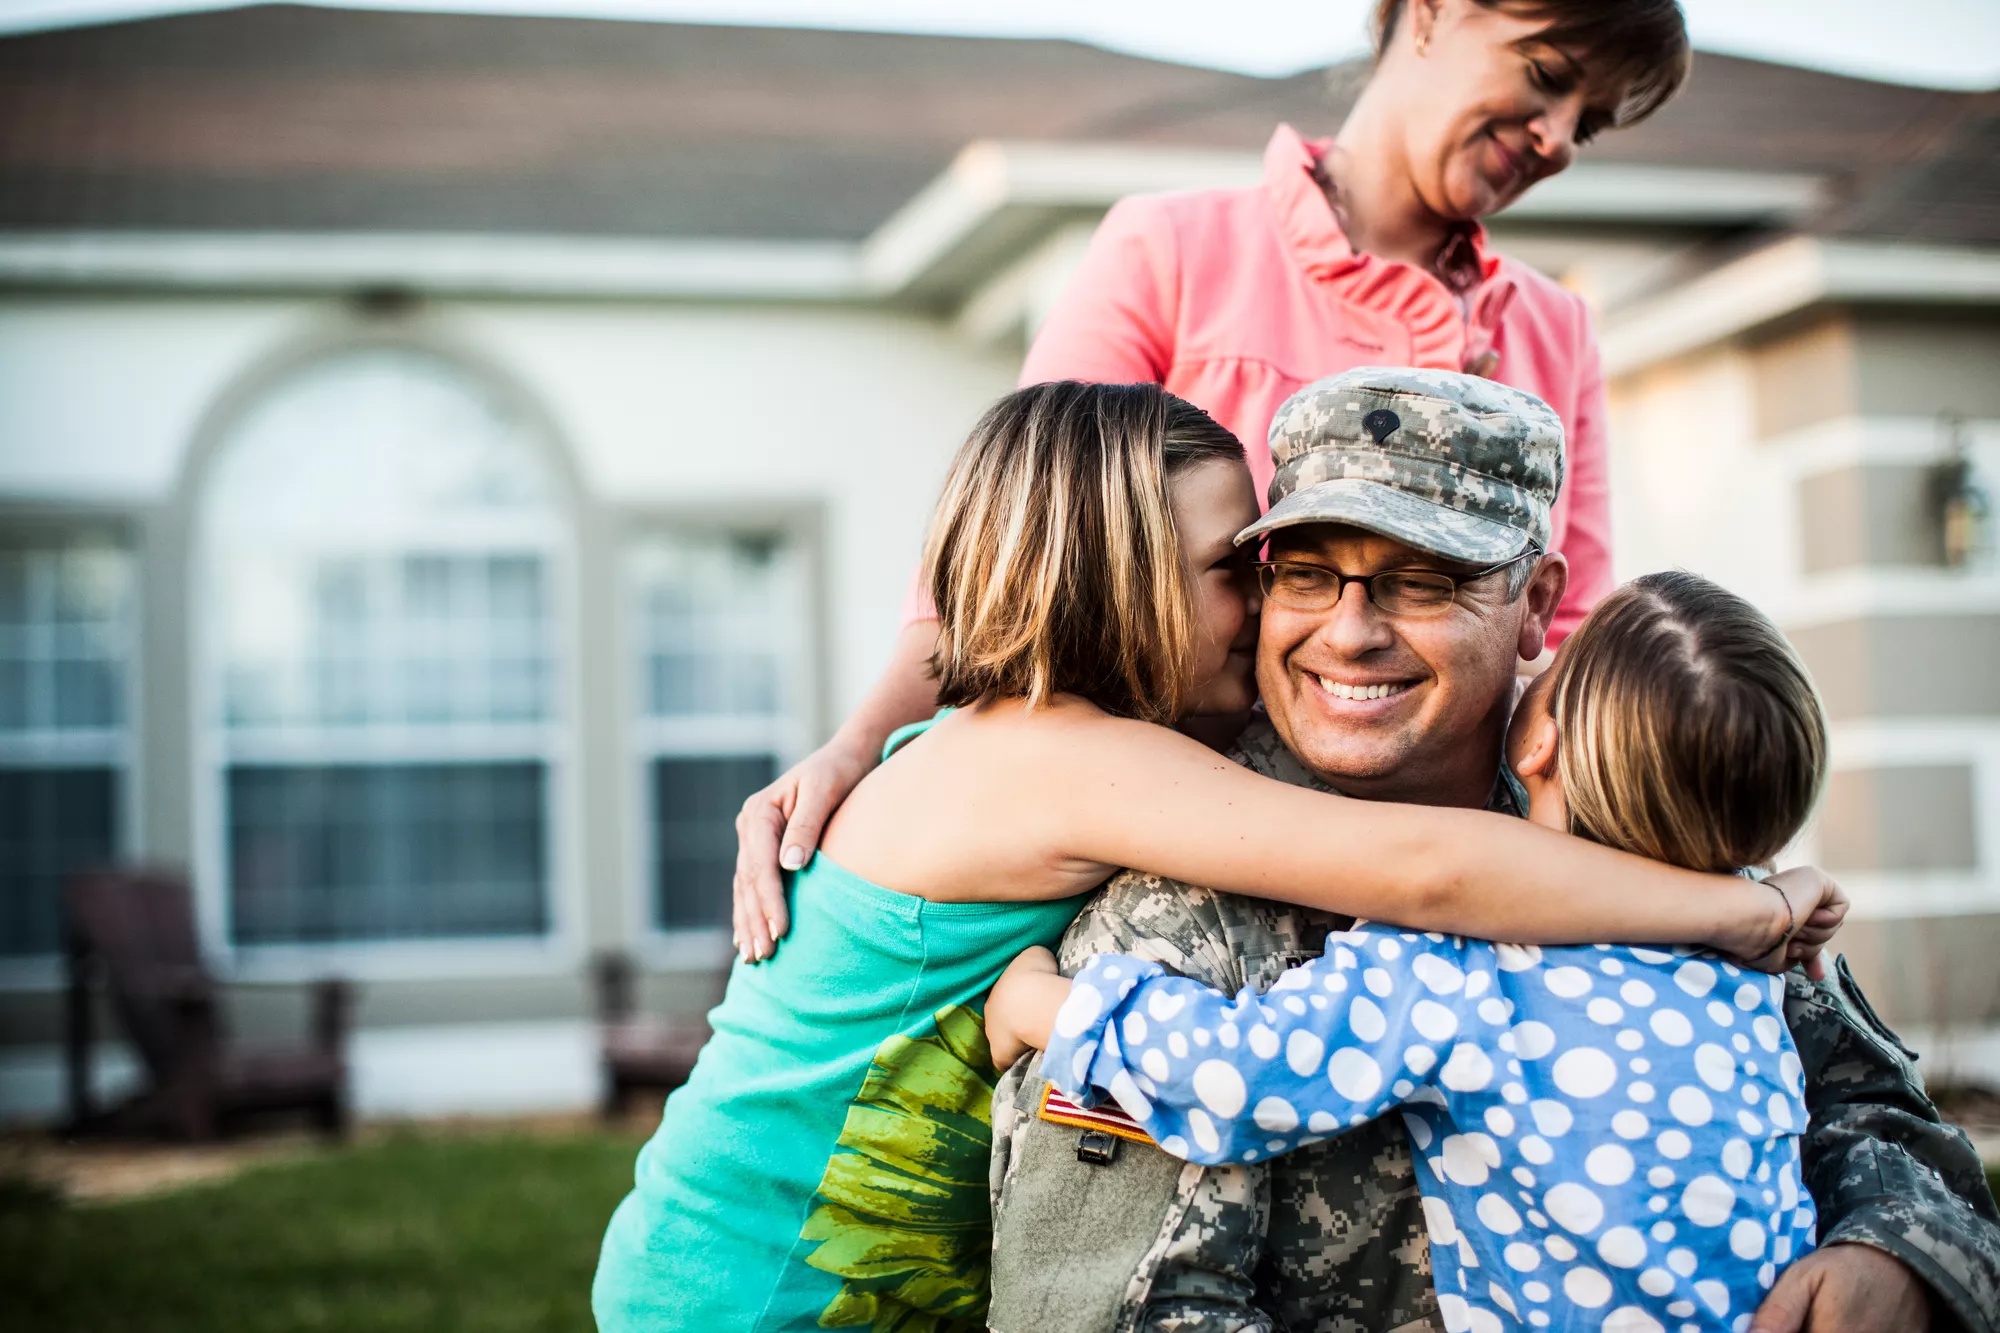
point(1053, 557)
point(1689, 730)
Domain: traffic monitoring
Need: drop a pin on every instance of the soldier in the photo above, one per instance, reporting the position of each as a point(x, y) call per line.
point(1391, 471)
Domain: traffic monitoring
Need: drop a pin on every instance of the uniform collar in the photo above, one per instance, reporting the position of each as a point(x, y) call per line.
point(1260, 750)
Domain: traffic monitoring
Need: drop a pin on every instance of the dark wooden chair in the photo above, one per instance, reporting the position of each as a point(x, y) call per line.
point(640, 1053)
point(132, 931)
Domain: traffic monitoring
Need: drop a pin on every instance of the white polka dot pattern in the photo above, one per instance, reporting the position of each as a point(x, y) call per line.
point(1605, 1137)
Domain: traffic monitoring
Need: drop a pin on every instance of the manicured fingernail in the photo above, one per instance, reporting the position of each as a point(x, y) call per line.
point(792, 858)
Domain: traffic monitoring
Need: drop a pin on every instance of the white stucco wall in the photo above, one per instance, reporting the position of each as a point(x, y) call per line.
point(101, 399)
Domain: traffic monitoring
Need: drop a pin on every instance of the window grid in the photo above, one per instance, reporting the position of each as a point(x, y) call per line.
point(719, 627)
point(65, 640)
point(386, 684)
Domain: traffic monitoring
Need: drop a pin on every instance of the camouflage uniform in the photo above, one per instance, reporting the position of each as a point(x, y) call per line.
point(1330, 1239)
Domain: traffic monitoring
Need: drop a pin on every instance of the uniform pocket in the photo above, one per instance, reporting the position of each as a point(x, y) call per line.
point(1069, 1236)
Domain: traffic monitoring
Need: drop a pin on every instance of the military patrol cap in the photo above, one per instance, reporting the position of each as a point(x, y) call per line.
point(1452, 464)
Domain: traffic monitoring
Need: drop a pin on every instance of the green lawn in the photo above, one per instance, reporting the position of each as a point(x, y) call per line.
point(416, 1232)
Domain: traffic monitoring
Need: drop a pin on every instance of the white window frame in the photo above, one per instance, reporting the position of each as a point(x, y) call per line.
point(215, 747)
point(116, 748)
point(788, 736)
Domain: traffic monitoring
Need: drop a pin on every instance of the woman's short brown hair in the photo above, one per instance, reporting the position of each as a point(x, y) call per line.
point(1643, 42)
point(1688, 729)
point(1053, 557)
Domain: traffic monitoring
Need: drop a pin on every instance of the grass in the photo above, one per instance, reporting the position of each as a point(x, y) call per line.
point(413, 1232)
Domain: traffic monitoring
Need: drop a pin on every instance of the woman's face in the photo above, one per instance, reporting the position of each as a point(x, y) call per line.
point(1487, 107)
point(1213, 502)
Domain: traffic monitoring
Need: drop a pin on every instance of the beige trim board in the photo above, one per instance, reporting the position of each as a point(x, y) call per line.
point(1927, 972)
point(1789, 276)
point(1933, 665)
point(437, 263)
point(1870, 516)
point(1921, 817)
point(995, 202)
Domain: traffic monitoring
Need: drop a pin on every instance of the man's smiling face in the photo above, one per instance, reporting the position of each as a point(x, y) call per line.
point(1394, 707)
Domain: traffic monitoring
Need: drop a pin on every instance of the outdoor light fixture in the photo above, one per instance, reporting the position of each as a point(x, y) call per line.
point(1963, 506)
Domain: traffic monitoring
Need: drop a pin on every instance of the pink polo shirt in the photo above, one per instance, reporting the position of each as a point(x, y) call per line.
point(1233, 299)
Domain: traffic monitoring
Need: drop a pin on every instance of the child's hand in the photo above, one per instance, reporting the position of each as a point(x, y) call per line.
point(1818, 906)
point(1021, 1011)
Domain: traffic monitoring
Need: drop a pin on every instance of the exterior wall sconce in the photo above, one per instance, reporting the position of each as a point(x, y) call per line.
point(1964, 509)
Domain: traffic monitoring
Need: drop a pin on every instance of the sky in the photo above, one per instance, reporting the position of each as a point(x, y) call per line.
point(1946, 43)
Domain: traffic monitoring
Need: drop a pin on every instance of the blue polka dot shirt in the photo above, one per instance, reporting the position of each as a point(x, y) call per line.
point(1606, 1137)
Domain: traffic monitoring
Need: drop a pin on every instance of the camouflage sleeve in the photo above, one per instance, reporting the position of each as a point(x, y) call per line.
point(1882, 1167)
point(1159, 920)
point(1195, 1236)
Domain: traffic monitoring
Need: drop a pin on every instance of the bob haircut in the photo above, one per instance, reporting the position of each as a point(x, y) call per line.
point(1054, 559)
point(1644, 42)
point(1688, 729)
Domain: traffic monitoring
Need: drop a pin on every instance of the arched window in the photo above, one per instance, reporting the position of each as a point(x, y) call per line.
point(383, 542)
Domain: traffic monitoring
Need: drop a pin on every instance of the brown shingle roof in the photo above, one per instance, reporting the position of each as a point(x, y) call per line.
point(278, 117)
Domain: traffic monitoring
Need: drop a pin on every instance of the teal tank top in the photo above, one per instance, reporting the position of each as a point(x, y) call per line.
point(825, 1166)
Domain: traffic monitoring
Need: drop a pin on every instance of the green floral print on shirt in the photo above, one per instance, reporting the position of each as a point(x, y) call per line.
point(902, 1210)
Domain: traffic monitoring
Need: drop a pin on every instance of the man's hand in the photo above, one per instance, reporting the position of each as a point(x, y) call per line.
point(1846, 1289)
point(789, 815)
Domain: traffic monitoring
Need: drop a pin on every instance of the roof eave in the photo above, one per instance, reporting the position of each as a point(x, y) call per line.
point(1786, 277)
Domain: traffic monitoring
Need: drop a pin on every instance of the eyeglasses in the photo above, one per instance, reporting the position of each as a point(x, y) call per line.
point(1399, 592)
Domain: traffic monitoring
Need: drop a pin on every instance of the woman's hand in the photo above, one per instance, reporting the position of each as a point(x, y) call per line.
point(1814, 906)
point(1021, 1010)
point(779, 827)
point(789, 815)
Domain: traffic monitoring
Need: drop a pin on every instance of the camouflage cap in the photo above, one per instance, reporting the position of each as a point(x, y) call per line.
point(1451, 464)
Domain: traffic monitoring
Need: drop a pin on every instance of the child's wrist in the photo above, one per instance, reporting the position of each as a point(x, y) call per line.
point(1766, 923)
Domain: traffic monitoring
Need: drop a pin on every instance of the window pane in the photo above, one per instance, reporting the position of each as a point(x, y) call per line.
point(63, 614)
point(422, 638)
point(327, 853)
point(695, 801)
point(719, 622)
point(52, 822)
point(385, 530)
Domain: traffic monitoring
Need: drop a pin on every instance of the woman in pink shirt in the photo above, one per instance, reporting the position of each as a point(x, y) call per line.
point(1364, 249)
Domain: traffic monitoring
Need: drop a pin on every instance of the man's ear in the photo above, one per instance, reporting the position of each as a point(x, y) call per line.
point(1542, 596)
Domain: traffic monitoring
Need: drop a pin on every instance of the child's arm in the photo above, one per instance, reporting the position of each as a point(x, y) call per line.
point(1125, 793)
point(1021, 1011)
point(1336, 1041)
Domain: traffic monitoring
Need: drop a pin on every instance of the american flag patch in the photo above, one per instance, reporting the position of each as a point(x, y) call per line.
point(1109, 1117)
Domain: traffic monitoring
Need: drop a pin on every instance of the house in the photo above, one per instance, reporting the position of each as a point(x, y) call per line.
point(447, 461)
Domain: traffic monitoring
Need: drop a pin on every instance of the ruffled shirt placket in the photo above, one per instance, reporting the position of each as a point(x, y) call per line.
point(1452, 326)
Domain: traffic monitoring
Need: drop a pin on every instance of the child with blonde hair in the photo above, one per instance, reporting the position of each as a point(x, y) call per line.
point(1606, 1136)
